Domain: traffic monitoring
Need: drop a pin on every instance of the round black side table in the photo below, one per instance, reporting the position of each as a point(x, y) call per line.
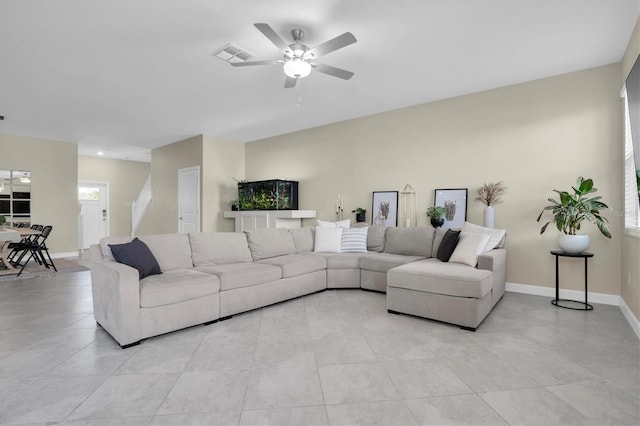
point(584, 255)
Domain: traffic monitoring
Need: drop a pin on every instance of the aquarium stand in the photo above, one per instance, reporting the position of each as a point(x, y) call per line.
point(256, 219)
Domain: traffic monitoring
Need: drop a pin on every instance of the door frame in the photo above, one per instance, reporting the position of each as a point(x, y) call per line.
point(80, 230)
point(186, 169)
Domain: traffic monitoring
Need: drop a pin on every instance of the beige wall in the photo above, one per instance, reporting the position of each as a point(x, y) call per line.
point(220, 162)
point(223, 161)
point(630, 290)
point(536, 137)
point(125, 178)
point(162, 216)
point(54, 184)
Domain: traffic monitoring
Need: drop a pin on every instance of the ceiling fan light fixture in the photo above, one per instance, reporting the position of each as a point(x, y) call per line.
point(297, 68)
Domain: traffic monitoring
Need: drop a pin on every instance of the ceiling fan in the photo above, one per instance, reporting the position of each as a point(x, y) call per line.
point(299, 59)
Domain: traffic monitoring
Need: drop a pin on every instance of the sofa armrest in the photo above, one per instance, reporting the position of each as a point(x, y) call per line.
point(116, 300)
point(496, 262)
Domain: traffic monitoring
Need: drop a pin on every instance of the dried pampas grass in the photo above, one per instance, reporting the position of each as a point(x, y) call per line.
point(490, 193)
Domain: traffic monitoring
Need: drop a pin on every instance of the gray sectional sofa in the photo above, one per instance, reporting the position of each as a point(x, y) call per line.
point(211, 276)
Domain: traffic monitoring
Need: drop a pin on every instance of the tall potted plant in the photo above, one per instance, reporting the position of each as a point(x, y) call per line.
point(569, 212)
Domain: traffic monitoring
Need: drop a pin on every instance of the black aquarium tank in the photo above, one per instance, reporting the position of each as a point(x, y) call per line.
point(274, 194)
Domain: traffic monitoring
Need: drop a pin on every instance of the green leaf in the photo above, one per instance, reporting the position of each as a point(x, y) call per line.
point(544, 228)
point(586, 186)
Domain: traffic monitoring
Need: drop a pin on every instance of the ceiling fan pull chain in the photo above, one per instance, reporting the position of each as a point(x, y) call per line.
point(298, 95)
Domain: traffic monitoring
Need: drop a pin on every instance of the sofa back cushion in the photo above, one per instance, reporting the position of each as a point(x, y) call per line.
point(437, 239)
point(409, 241)
point(303, 239)
point(172, 251)
point(106, 250)
point(270, 242)
point(375, 238)
point(219, 248)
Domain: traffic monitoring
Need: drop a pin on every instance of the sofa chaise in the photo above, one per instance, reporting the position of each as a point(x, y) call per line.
point(207, 277)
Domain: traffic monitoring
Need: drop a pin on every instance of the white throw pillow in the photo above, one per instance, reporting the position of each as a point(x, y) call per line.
point(339, 224)
point(496, 236)
point(328, 240)
point(469, 246)
point(354, 240)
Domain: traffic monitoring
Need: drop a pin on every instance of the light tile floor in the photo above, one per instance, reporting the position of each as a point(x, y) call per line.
point(335, 357)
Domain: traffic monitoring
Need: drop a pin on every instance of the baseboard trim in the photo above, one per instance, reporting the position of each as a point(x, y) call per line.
point(605, 299)
point(64, 255)
point(631, 318)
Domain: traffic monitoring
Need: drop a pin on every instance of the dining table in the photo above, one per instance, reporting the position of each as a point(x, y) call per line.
point(10, 235)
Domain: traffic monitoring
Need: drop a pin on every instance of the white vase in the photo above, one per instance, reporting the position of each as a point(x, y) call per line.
point(488, 217)
point(573, 243)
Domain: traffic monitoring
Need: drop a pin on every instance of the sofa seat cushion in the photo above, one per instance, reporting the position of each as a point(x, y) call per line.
point(382, 262)
point(176, 286)
point(297, 264)
point(434, 276)
point(236, 275)
point(343, 260)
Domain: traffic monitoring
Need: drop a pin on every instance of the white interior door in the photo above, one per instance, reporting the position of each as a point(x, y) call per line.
point(189, 200)
point(94, 212)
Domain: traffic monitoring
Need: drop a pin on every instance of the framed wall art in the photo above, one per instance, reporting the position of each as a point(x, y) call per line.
point(385, 208)
point(454, 202)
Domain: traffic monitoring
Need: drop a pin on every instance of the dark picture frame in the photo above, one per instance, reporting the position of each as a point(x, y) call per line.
point(454, 200)
point(384, 208)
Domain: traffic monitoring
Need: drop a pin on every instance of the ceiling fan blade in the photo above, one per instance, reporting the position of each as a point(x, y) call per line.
point(272, 35)
point(290, 82)
point(328, 69)
point(331, 45)
point(251, 63)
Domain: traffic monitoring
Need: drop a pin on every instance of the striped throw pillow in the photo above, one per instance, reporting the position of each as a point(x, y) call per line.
point(354, 240)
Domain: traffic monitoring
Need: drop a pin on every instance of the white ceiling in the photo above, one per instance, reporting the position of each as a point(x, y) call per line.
point(127, 76)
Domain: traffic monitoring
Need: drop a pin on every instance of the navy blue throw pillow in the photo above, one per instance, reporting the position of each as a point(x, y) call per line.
point(137, 255)
point(448, 245)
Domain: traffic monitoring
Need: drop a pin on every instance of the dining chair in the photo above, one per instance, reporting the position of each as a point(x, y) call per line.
point(37, 249)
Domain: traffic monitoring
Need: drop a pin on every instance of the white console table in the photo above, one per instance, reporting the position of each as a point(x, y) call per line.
point(256, 219)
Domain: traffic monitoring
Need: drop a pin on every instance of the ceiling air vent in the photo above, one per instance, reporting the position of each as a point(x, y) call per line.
point(232, 53)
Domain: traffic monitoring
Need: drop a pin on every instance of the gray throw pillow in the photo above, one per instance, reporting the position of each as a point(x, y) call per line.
point(137, 255)
point(448, 245)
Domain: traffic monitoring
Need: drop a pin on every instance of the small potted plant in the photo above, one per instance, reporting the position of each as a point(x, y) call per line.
point(361, 214)
point(436, 214)
point(234, 205)
point(571, 210)
point(3, 220)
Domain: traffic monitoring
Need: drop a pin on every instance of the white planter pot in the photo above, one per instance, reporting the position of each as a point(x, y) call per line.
point(488, 217)
point(573, 243)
